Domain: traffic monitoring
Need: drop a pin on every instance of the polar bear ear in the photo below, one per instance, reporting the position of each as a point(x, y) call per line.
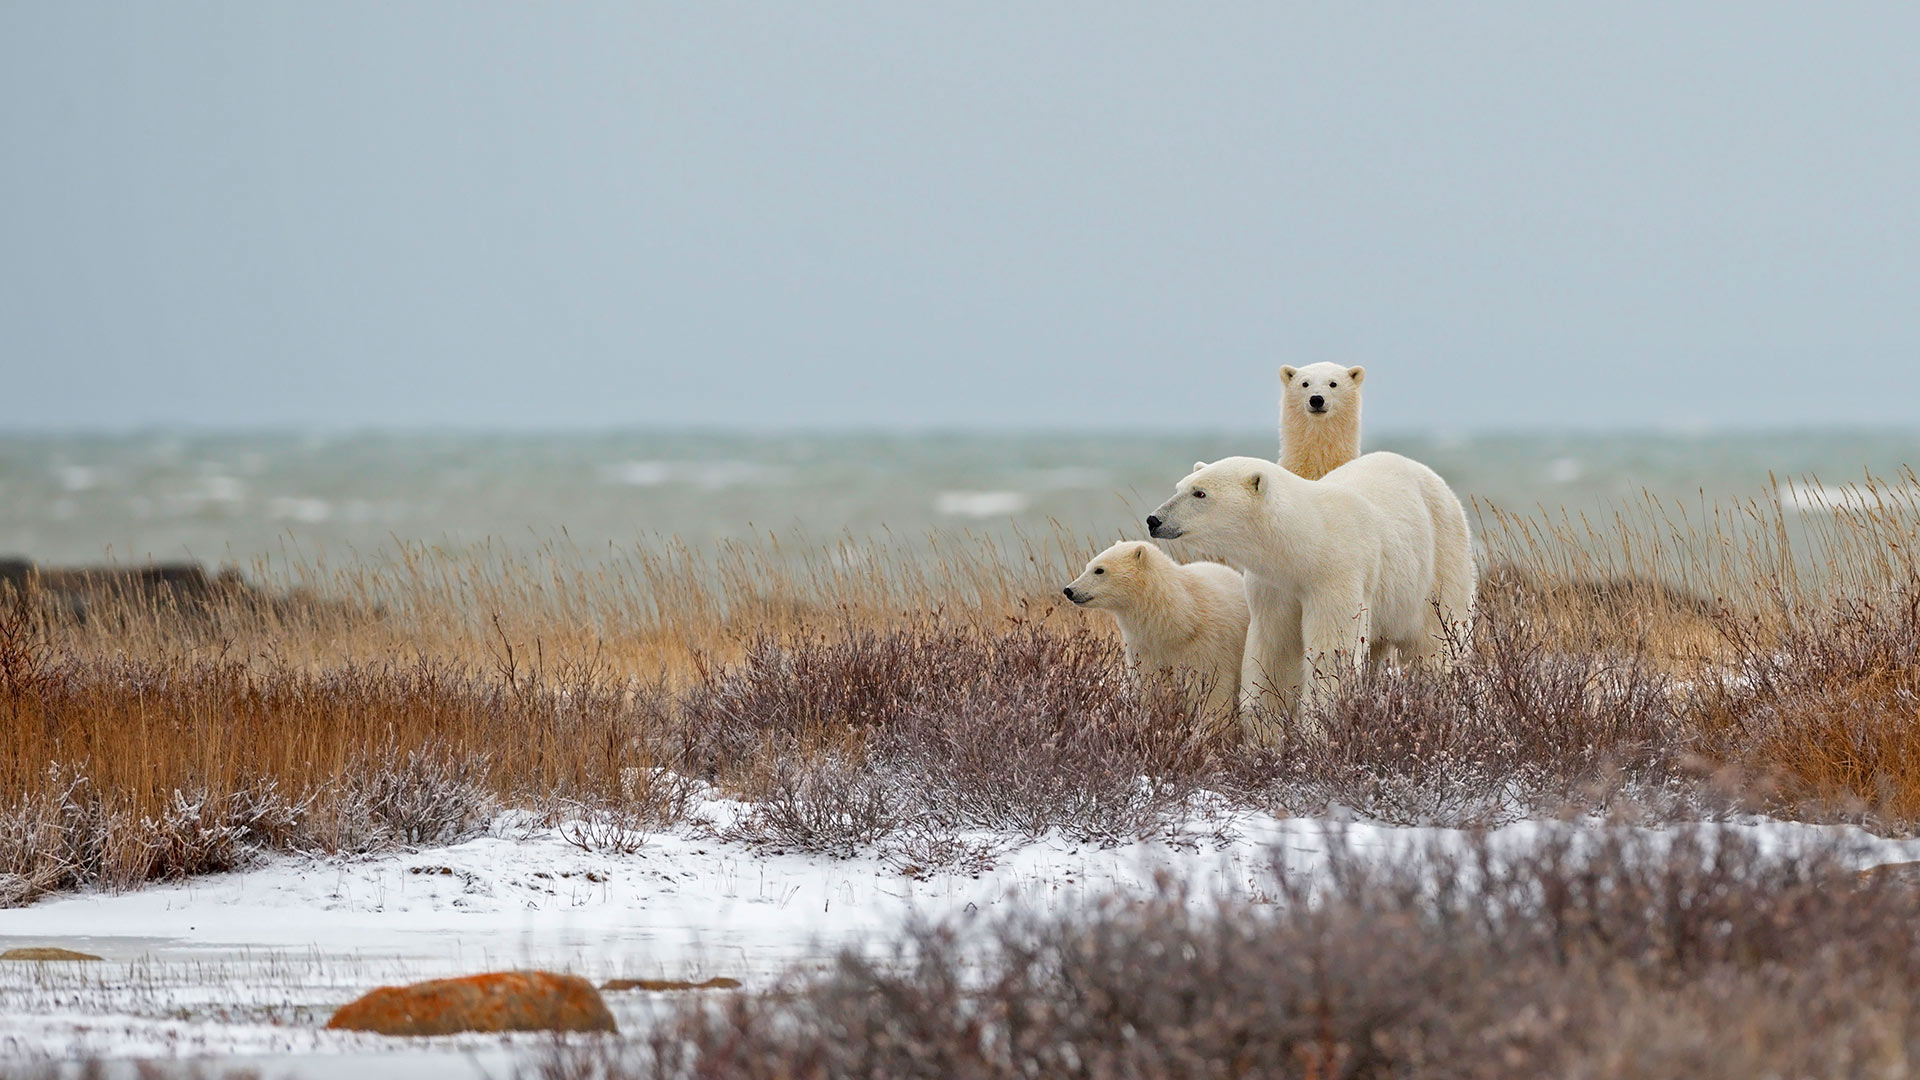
point(1140, 552)
point(1287, 372)
point(1357, 374)
point(1254, 482)
point(1198, 465)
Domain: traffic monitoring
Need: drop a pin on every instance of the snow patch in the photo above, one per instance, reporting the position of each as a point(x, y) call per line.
point(254, 962)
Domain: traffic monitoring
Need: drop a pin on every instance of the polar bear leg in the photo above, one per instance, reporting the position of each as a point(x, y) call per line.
point(1270, 667)
point(1377, 651)
point(1222, 702)
point(1335, 629)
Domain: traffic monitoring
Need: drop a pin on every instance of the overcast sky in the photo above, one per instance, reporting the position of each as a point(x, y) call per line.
point(901, 215)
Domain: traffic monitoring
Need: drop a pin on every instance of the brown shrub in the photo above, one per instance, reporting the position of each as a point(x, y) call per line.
point(1512, 729)
point(1024, 730)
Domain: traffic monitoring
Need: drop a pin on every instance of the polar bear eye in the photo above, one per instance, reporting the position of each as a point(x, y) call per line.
point(1199, 494)
point(1331, 385)
point(1099, 569)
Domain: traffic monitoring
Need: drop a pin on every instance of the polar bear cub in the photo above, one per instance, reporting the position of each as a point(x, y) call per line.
point(1336, 570)
point(1319, 418)
point(1172, 615)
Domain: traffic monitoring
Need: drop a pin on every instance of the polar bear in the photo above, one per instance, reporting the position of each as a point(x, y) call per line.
point(1319, 418)
point(1376, 556)
point(1171, 615)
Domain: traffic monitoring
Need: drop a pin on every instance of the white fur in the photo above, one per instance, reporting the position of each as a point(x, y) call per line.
point(1336, 569)
point(1313, 444)
point(1172, 616)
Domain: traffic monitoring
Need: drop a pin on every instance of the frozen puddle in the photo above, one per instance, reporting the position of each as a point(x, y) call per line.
point(251, 964)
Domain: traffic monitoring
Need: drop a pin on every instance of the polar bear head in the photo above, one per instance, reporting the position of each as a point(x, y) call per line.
point(1320, 390)
point(1219, 504)
point(1116, 576)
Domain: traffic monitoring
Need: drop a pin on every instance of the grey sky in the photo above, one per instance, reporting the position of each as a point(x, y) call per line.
point(1086, 215)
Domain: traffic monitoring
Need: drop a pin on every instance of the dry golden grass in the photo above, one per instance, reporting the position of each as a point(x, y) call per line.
point(145, 734)
point(1789, 622)
point(659, 609)
point(134, 720)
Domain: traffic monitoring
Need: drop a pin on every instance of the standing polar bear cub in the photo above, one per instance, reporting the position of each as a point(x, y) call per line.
point(1172, 616)
point(1319, 418)
point(1336, 569)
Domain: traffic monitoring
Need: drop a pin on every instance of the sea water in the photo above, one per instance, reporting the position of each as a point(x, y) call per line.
point(229, 499)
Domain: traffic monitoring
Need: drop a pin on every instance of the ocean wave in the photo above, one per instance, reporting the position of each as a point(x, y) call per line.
point(221, 488)
point(638, 473)
point(76, 478)
point(1818, 498)
point(705, 475)
point(980, 504)
point(302, 508)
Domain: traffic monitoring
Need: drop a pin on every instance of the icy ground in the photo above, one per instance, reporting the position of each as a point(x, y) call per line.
point(251, 964)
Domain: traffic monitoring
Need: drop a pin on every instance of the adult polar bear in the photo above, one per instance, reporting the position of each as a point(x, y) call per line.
point(1374, 556)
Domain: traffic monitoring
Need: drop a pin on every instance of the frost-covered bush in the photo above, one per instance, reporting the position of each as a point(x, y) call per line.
point(71, 835)
point(429, 795)
point(1702, 959)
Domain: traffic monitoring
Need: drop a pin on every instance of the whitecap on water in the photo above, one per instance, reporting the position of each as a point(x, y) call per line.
point(301, 508)
point(638, 473)
point(77, 477)
point(705, 475)
point(979, 504)
point(221, 488)
point(1818, 498)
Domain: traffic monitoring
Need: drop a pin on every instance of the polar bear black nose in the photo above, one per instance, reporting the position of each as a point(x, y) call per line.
point(1317, 402)
point(1067, 592)
point(1153, 522)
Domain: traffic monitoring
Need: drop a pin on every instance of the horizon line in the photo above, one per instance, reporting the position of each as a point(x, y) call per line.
point(1669, 430)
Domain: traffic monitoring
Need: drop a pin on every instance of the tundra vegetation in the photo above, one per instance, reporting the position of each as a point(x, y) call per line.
point(1697, 957)
point(1669, 664)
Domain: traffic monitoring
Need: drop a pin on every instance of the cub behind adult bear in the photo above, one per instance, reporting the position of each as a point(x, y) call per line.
point(1171, 615)
point(1337, 569)
point(1319, 418)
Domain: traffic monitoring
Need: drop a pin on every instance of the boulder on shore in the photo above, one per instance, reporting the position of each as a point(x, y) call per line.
point(498, 1001)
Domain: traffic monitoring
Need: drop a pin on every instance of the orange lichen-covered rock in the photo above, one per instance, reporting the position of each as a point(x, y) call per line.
point(501, 1001)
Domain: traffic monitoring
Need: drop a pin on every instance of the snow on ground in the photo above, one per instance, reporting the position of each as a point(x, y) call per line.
point(253, 963)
